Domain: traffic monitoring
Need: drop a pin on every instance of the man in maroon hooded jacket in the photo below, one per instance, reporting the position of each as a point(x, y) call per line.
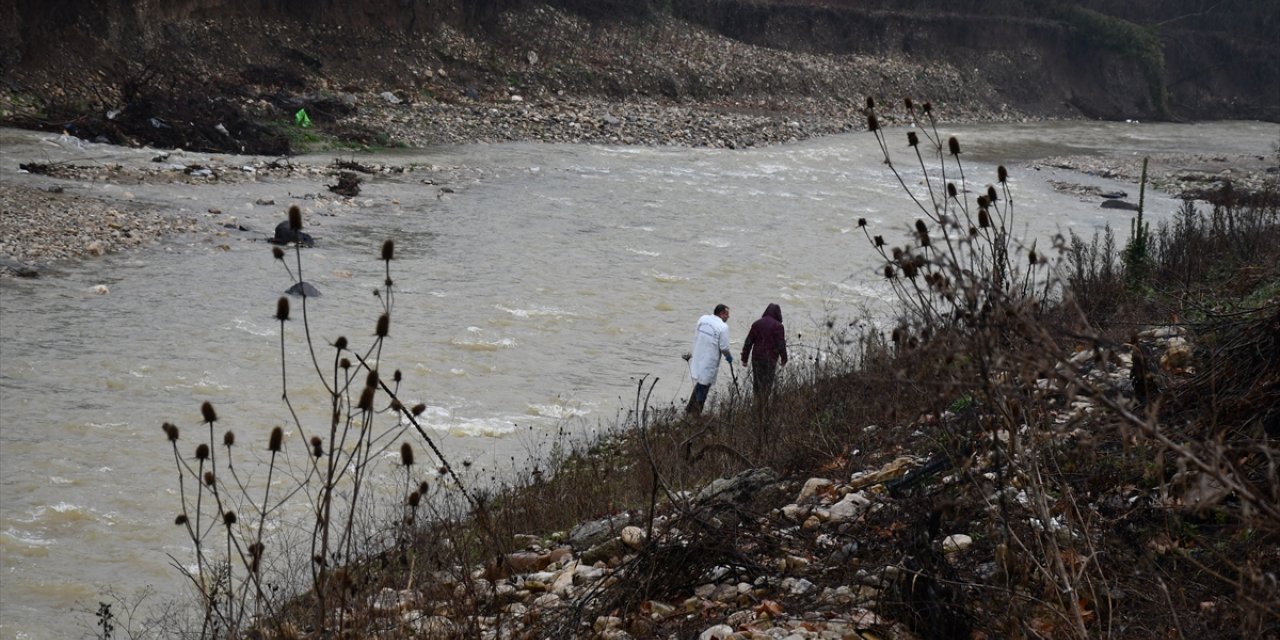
point(768, 338)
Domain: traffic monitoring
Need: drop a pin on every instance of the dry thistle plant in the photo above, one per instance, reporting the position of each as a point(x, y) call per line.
point(963, 258)
point(276, 523)
point(1006, 335)
point(970, 290)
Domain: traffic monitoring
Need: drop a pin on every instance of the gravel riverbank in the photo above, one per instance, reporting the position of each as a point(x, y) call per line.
point(559, 79)
point(41, 225)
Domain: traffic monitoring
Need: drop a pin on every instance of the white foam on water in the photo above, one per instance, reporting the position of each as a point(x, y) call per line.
point(253, 328)
point(483, 345)
point(109, 425)
point(666, 277)
point(558, 411)
point(480, 427)
point(24, 539)
point(642, 252)
point(206, 383)
point(537, 311)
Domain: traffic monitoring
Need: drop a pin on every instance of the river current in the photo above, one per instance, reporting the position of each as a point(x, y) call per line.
point(532, 293)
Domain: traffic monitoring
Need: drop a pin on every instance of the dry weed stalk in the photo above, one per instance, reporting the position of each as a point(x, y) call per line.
point(249, 536)
point(969, 297)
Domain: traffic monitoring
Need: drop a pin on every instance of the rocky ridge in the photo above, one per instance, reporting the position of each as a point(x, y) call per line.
point(756, 556)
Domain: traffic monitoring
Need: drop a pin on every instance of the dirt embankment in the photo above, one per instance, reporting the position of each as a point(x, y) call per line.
point(218, 76)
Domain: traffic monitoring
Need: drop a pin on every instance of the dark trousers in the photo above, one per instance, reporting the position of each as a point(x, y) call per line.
point(698, 398)
point(764, 372)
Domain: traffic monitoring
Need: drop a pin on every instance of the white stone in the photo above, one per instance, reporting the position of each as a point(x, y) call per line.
point(718, 632)
point(956, 542)
point(811, 488)
point(547, 601)
point(633, 537)
point(794, 512)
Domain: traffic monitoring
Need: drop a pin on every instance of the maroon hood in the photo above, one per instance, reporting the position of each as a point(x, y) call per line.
point(767, 338)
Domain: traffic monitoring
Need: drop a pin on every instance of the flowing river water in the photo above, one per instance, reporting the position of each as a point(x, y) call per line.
point(532, 294)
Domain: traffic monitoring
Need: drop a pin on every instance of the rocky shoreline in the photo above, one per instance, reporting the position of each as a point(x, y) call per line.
point(551, 77)
point(42, 225)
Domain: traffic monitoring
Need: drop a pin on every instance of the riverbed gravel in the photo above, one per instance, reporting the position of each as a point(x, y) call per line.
point(661, 84)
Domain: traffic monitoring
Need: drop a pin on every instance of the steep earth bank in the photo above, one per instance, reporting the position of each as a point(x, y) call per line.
point(222, 76)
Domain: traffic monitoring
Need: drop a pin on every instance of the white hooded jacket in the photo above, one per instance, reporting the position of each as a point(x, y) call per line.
point(709, 339)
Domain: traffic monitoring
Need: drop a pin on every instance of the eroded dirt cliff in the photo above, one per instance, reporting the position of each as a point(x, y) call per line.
point(200, 73)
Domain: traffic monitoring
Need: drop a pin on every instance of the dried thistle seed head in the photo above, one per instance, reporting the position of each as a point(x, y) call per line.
point(276, 440)
point(927, 107)
point(340, 343)
point(953, 146)
point(295, 218)
point(879, 241)
point(913, 140)
point(862, 222)
point(983, 201)
point(206, 411)
point(209, 478)
point(282, 309)
point(909, 270)
point(229, 438)
point(897, 253)
point(397, 376)
point(418, 409)
point(422, 487)
point(396, 406)
point(278, 253)
point(1031, 257)
point(366, 399)
point(256, 549)
point(384, 326)
point(873, 124)
point(229, 518)
point(951, 189)
point(1002, 174)
point(371, 380)
point(921, 227)
point(388, 282)
point(991, 193)
point(897, 335)
point(871, 102)
point(973, 231)
point(406, 454)
point(984, 219)
point(317, 446)
point(413, 500)
point(344, 363)
point(180, 520)
point(388, 249)
point(906, 102)
point(888, 271)
point(170, 431)
point(202, 451)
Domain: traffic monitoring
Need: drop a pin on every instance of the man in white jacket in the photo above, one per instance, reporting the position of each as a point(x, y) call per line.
point(710, 341)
